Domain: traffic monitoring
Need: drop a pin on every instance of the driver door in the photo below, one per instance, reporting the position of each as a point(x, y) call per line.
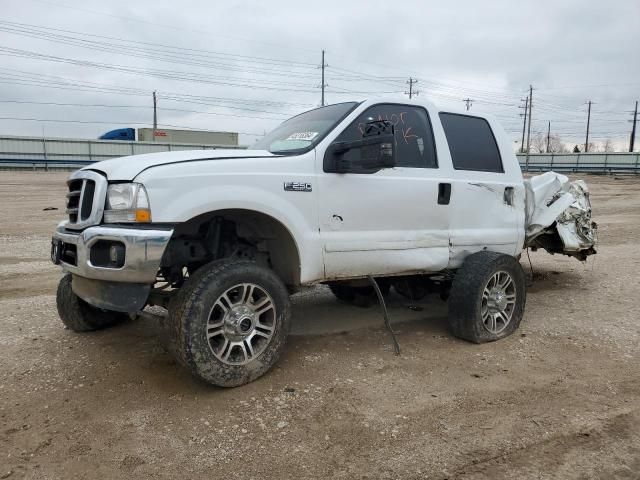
point(392, 221)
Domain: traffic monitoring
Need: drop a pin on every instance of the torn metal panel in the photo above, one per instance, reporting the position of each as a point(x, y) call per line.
point(558, 215)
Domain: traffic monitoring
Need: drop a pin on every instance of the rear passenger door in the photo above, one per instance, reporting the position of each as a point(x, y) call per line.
point(486, 196)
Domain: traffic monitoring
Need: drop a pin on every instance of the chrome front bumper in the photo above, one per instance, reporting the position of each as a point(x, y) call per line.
point(143, 252)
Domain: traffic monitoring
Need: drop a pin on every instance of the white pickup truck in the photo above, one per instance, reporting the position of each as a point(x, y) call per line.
point(402, 194)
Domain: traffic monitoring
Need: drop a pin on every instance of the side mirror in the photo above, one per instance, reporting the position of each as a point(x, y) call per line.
point(374, 152)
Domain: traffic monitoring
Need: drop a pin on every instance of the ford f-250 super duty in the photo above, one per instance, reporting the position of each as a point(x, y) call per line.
point(417, 198)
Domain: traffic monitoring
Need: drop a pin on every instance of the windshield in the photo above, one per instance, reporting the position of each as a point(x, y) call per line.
point(303, 131)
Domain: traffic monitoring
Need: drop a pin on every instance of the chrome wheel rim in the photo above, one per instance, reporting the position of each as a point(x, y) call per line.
point(498, 302)
point(241, 324)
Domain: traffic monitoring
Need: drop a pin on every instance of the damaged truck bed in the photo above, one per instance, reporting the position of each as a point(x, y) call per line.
point(558, 216)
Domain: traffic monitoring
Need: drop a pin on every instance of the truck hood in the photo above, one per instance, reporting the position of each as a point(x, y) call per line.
point(127, 168)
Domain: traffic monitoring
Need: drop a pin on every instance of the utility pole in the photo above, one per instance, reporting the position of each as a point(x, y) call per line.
point(633, 129)
point(155, 115)
point(529, 129)
point(411, 92)
point(524, 124)
point(468, 102)
point(322, 85)
point(586, 141)
point(548, 135)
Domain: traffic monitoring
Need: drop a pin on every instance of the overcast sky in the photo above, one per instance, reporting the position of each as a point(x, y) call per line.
point(246, 66)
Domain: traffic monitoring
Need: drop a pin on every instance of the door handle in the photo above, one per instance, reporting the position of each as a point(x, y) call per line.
point(508, 195)
point(444, 193)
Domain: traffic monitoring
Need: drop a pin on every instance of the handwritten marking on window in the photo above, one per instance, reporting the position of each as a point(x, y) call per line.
point(398, 121)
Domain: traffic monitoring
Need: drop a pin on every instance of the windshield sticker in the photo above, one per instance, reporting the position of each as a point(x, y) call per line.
point(308, 136)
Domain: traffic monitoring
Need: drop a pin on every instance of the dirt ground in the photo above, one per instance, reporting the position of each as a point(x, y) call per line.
point(560, 399)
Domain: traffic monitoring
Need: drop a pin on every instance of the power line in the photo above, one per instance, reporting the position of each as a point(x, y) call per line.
point(165, 74)
point(172, 27)
point(45, 32)
point(101, 105)
point(99, 122)
point(185, 56)
point(50, 81)
point(178, 52)
point(176, 55)
point(211, 59)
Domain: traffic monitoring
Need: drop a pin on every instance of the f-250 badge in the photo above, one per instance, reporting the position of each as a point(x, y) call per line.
point(297, 187)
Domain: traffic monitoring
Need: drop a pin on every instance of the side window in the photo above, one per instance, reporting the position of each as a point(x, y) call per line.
point(414, 137)
point(471, 142)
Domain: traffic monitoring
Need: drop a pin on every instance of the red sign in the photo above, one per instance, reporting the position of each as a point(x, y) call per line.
point(159, 133)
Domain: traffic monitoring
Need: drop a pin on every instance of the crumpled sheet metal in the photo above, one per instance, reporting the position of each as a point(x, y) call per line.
point(552, 198)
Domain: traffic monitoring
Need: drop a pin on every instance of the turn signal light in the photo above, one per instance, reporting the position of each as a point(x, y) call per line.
point(143, 215)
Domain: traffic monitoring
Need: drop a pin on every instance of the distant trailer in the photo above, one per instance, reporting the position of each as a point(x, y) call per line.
point(165, 135)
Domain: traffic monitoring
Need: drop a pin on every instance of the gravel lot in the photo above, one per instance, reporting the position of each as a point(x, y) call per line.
point(559, 399)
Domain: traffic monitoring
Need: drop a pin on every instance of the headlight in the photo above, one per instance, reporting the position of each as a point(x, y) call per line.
point(127, 203)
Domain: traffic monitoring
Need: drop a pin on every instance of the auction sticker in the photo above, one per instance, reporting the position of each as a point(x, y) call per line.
point(308, 136)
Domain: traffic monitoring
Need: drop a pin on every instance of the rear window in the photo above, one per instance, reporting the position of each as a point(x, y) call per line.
point(471, 142)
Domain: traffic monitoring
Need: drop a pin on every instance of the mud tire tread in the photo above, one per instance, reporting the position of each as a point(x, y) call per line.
point(465, 319)
point(190, 307)
point(78, 315)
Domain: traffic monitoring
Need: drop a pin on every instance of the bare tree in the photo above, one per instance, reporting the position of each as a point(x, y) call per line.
point(538, 144)
point(556, 145)
point(594, 148)
point(608, 146)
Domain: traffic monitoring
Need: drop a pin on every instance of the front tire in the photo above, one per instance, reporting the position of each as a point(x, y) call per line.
point(230, 322)
point(487, 297)
point(78, 315)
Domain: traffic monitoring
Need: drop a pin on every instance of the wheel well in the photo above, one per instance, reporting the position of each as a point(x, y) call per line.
point(234, 232)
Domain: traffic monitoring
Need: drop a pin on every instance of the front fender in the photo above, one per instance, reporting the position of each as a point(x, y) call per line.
point(295, 210)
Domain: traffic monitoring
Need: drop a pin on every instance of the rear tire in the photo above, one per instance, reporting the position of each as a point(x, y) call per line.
point(78, 315)
point(487, 297)
point(230, 322)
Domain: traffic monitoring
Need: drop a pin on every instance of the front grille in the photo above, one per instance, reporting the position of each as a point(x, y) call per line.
point(85, 200)
point(73, 199)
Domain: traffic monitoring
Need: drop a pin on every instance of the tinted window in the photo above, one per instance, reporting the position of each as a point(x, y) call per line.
point(414, 138)
point(471, 142)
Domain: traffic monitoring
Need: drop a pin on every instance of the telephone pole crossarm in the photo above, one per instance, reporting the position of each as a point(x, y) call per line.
point(411, 82)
